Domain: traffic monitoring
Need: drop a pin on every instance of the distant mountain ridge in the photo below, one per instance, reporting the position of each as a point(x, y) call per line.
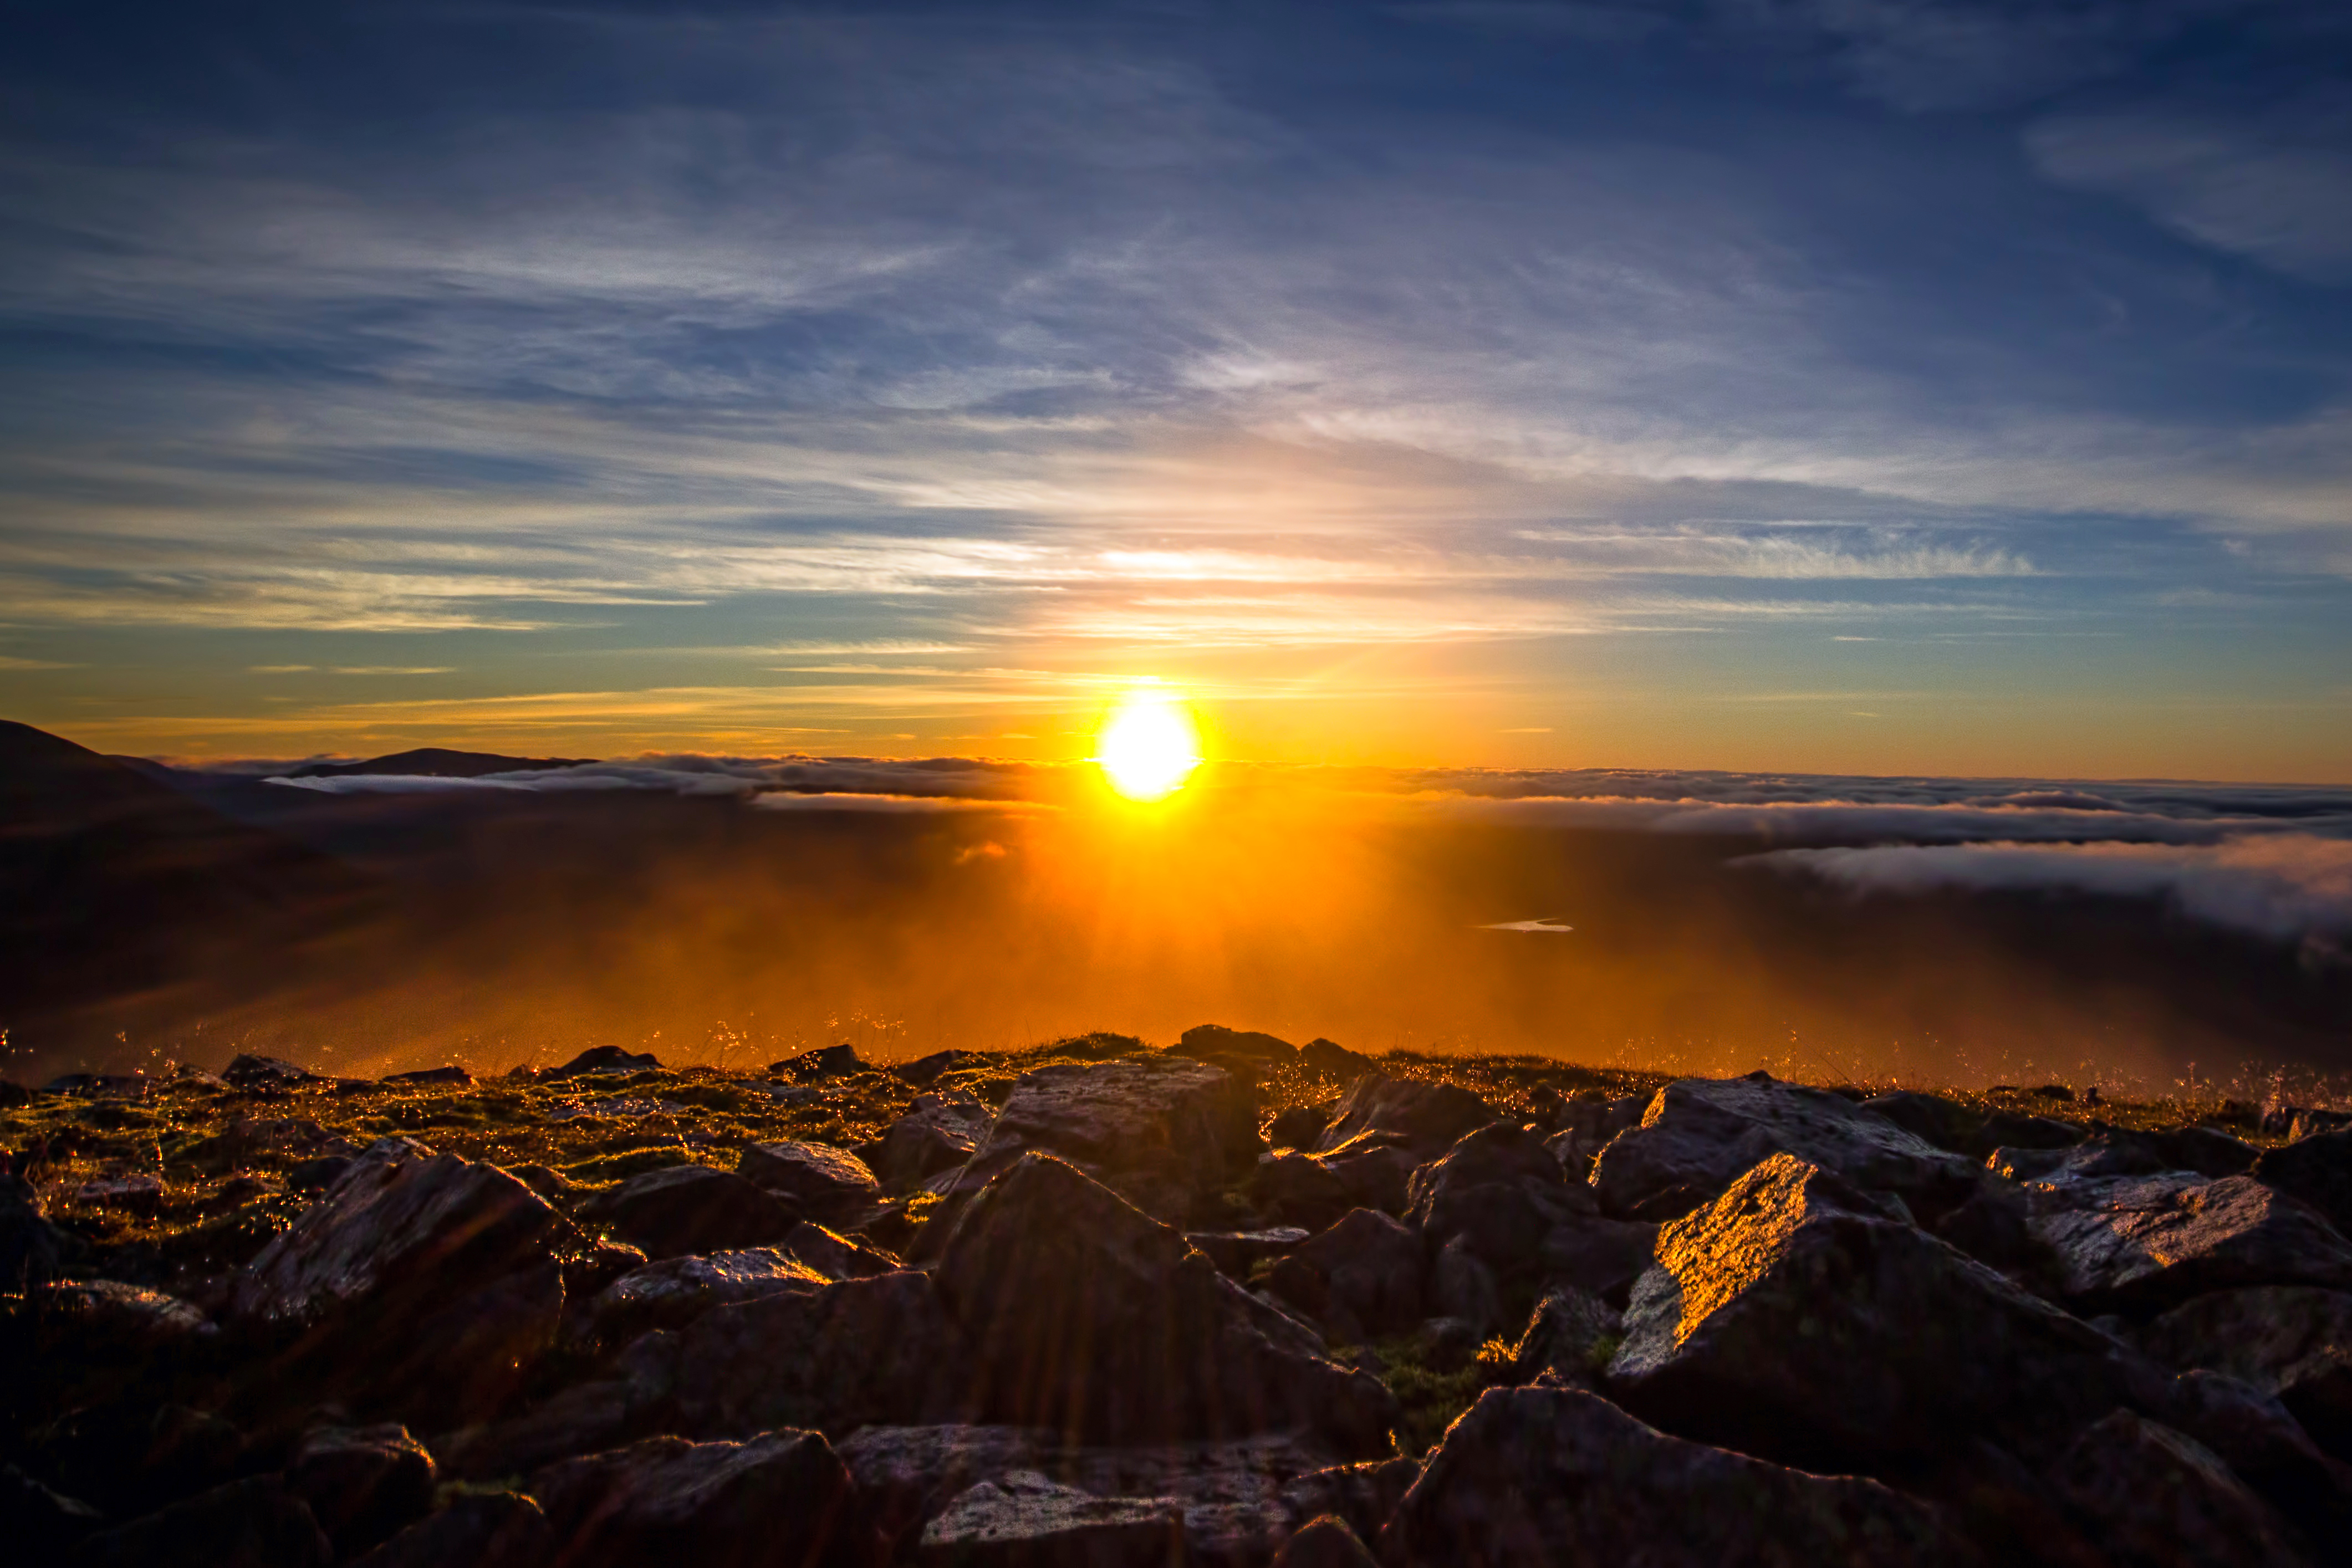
point(435, 762)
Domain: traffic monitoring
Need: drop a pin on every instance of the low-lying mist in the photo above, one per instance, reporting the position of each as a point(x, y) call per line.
point(510, 924)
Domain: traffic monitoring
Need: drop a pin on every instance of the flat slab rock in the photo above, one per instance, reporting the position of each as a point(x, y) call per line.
point(1700, 1134)
point(2150, 1242)
point(1024, 1521)
point(1795, 1318)
point(1538, 1476)
point(1229, 1496)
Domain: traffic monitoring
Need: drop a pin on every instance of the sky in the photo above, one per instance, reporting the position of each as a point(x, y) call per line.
point(1846, 386)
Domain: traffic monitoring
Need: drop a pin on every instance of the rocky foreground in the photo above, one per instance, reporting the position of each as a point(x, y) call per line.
point(1236, 1303)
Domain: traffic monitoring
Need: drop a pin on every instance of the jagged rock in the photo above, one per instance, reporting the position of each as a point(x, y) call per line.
point(1993, 1226)
point(254, 1523)
point(1364, 1496)
point(835, 1358)
point(37, 1521)
point(674, 1292)
point(1233, 1495)
point(1298, 1126)
point(478, 1529)
point(1534, 1476)
point(1464, 1289)
point(2147, 1243)
point(1325, 1542)
point(605, 1059)
point(834, 1256)
point(1403, 1111)
point(1498, 1192)
point(2113, 1152)
point(690, 1208)
point(2292, 1342)
point(1362, 1278)
point(1217, 1039)
point(128, 1459)
point(1569, 1337)
point(2316, 1170)
point(819, 1180)
point(1299, 1190)
point(1793, 1319)
point(1087, 1316)
point(264, 1073)
point(1164, 1132)
point(1373, 1174)
point(938, 1133)
point(826, 1061)
point(1700, 1134)
point(1586, 1126)
point(2162, 1501)
point(637, 1400)
point(363, 1485)
point(1024, 1521)
point(781, 1498)
point(420, 1288)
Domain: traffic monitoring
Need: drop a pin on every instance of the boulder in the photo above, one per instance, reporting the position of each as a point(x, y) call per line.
point(938, 1133)
point(1462, 1290)
point(1586, 1127)
point(607, 1059)
point(1570, 1339)
point(1217, 1039)
point(1930, 1118)
point(1364, 1496)
point(826, 1062)
point(1299, 1190)
point(249, 1138)
point(822, 1182)
point(258, 1523)
point(1700, 1134)
point(1298, 1126)
point(1233, 1495)
point(135, 1193)
point(31, 1249)
point(672, 1293)
point(1024, 1521)
point(1794, 1318)
point(688, 1208)
point(835, 1358)
point(1373, 1174)
point(1325, 1542)
point(1362, 1279)
point(2111, 1152)
point(101, 1321)
point(2267, 1448)
point(430, 1077)
point(478, 1529)
point(363, 1485)
point(1088, 1317)
point(927, 1070)
point(39, 1522)
point(1239, 1252)
point(264, 1073)
point(2294, 1342)
point(1498, 1192)
point(2145, 1243)
point(2159, 1500)
point(1166, 1133)
point(1536, 1476)
point(420, 1289)
point(780, 1498)
point(1332, 1059)
point(1599, 1255)
point(2316, 1170)
point(1403, 1111)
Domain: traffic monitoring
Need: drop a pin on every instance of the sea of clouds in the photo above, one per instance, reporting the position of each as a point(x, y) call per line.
point(2272, 861)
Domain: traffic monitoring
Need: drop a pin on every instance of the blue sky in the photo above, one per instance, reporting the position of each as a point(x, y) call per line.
point(1847, 385)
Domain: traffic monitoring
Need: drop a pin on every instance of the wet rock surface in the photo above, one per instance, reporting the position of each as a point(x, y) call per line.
point(1625, 1320)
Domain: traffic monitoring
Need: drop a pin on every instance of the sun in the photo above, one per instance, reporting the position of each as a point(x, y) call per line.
point(1150, 747)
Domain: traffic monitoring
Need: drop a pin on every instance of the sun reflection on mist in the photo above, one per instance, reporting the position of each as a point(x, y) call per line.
point(1150, 745)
